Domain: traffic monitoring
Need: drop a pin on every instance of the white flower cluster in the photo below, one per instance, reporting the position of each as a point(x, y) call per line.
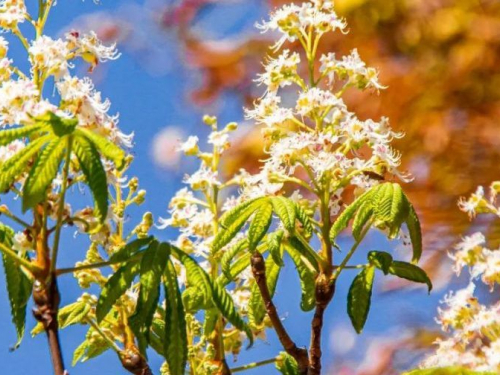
point(318, 136)
point(475, 328)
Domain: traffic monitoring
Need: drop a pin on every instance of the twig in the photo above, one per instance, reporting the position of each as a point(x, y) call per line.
point(253, 365)
point(299, 354)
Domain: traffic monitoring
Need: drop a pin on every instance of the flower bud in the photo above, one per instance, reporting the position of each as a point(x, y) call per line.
point(140, 197)
point(210, 120)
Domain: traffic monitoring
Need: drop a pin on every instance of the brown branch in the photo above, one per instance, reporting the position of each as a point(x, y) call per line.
point(259, 273)
point(325, 289)
point(47, 299)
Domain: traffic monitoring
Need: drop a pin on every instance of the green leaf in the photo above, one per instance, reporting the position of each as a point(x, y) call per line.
point(410, 272)
point(413, 225)
point(107, 148)
point(129, 250)
point(176, 345)
point(286, 211)
point(196, 276)
point(18, 163)
point(307, 277)
point(305, 251)
point(391, 208)
point(192, 299)
point(241, 264)
point(343, 220)
point(230, 254)
point(93, 346)
point(19, 286)
point(359, 298)
point(259, 225)
point(230, 216)
point(74, 313)
point(229, 231)
point(211, 316)
point(453, 370)
point(364, 214)
point(225, 304)
point(152, 267)
point(256, 308)
point(95, 175)
point(9, 135)
point(156, 337)
point(43, 173)
point(305, 220)
point(381, 260)
point(115, 287)
point(286, 364)
point(212, 292)
point(60, 126)
point(274, 246)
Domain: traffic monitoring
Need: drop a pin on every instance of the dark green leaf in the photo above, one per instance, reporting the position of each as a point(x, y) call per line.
point(381, 260)
point(410, 272)
point(129, 250)
point(60, 126)
point(413, 225)
point(95, 175)
point(359, 298)
point(176, 345)
point(115, 287)
point(19, 286)
point(153, 265)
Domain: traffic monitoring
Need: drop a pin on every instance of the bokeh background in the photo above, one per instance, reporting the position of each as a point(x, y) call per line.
point(180, 59)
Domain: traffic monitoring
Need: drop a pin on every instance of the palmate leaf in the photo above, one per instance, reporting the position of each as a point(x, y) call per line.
point(19, 286)
point(305, 220)
point(452, 370)
point(359, 298)
point(106, 148)
point(176, 345)
point(19, 163)
point(229, 216)
point(153, 264)
point(307, 276)
point(386, 207)
point(95, 175)
point(259, 225)
point(115, 287)
point(344, 218)
point(256, 308)
point(44, 171)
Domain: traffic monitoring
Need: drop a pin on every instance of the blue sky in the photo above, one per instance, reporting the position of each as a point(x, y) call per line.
point(149, 100)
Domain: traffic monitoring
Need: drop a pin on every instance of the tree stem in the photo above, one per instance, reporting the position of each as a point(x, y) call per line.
point(299, 354)
point(47, 299)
